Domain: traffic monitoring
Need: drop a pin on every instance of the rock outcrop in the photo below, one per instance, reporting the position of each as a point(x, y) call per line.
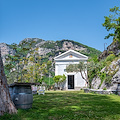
point(69, 45)
point(45, 47)
point(5, 50)
point(96, 83)
point(114, 48)
point(57, 47)
point(114, 67)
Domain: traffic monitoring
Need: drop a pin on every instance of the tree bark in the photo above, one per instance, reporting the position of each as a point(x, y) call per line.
point(85, 78)
point(6, 104)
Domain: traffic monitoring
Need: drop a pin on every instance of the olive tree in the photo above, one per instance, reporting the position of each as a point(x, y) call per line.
point(81, 67)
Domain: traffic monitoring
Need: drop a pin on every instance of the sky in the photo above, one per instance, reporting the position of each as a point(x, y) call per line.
point(78, 20)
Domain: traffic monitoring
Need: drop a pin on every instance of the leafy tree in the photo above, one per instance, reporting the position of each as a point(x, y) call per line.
point(40, 80)
point(19, 61)
point(112, 23)
point(35, 69)
point(48, 80)
point(62, 79)
point(59, 79)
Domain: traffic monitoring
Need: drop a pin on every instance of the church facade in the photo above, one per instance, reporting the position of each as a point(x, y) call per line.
point(74, 81)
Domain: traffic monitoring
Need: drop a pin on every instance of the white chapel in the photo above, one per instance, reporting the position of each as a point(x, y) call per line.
point(73, 80)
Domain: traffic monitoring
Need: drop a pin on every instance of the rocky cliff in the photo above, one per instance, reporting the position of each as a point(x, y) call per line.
point(5, 50)
point(112, 68)
point(114, 48)
point(49, 48)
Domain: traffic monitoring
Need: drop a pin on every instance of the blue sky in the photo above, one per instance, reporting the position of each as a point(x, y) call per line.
point(79, 20)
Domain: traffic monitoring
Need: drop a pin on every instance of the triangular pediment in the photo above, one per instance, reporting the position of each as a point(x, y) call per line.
point(71, 55)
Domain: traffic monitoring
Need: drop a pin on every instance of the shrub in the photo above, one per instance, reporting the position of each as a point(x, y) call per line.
point(102, 76)
point(104, 88)
point(111, 57)
point(108, 79)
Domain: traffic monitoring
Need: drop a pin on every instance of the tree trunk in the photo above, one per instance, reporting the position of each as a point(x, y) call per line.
point(84, 77)
point(6, 104)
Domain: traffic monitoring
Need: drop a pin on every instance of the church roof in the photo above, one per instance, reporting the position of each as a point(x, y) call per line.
point(71, 55)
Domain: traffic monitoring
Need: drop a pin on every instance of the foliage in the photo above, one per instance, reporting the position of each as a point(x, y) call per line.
point(81, 67)
point(95, 68)
point(88, 51)
point(36, 70)
point(44, 59)
point(49, 45)
point(91, 52)
point(71, 68)
point(15, 62)
point(51, 54)
point(63, 78)
point(110, 58)
point(94, 59)
point(47, 80)
point(59, 79)
point(104, 88)
point(108, 79)
point(32, 41)
point(112, 23)
point(102, 76)
point(21, 68)
point(70, 105)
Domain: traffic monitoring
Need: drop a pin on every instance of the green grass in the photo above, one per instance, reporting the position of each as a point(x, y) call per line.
point(70, 105)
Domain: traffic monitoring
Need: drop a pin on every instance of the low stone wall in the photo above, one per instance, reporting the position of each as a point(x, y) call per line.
point(100, 91)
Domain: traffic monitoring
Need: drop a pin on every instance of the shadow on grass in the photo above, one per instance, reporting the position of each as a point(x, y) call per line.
point(74, 105)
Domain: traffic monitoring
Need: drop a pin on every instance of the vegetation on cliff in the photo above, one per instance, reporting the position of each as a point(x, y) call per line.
point(34, 54)
point(106, 67)
point(112, 24)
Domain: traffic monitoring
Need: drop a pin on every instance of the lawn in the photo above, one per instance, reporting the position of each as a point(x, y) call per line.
point(70, 105)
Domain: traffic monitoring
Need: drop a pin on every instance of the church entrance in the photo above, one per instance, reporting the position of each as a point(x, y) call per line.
point(70, 81)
